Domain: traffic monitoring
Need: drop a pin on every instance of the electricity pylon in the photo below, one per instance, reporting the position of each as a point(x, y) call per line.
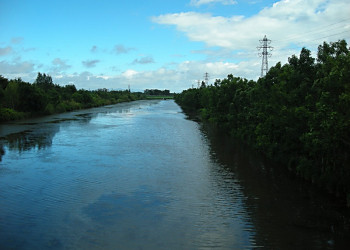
point(206, 78)
point(265, 46)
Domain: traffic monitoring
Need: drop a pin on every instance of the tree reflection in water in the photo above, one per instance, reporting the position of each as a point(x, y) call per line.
point(37, 138)
point(287, 213)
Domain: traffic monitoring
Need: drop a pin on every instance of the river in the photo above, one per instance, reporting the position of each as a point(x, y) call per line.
point(141, 175)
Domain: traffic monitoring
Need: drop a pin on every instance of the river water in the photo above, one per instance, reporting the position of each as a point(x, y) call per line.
point(141, 175)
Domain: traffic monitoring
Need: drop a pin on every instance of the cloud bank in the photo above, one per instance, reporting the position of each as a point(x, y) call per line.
point(298, 21)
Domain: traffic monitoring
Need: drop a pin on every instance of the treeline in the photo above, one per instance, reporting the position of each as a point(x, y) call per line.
point(19, 99)
point(157, 92)
point(297, 115)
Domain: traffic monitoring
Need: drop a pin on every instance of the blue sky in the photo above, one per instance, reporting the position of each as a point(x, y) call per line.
point(158, 44)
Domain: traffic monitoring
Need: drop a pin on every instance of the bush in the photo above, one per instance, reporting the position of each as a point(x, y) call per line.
point(7, 114)
point(49, 109)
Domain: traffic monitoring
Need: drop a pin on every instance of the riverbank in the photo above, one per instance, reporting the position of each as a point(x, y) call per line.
point(30, 123)
point(296, 115)
point(201, 116)
point(19, 99)
point(8, 115)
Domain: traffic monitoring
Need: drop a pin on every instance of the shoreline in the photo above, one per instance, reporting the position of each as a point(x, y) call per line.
point(22, 125)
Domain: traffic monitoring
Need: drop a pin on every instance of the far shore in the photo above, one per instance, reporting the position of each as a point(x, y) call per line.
point(18, 126)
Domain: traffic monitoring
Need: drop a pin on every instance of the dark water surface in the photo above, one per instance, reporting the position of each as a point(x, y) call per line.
point(141, 176)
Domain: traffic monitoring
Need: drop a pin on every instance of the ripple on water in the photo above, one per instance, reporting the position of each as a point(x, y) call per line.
point(141, 176)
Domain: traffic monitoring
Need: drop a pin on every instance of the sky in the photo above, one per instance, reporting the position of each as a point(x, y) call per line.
point(161, 44)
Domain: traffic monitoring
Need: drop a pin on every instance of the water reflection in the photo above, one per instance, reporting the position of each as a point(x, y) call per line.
point(28, 140)
point(2, 151)
point(31, 140)
point(287, 213)
point(141, 176)
point(38, 135)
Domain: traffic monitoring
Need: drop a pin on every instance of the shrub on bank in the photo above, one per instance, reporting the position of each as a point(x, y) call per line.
point(7, 114)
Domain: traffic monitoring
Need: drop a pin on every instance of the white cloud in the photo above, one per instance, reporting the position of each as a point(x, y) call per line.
point(104, 77)
point(144, 60)
point(183, 76)
point(202, 2)
point(59, 64)
point(230, 46)
point(180, 76)
point(90, 63)
point(186, 74)
point(6, 51)
point(289, 24)
point(298, 21)
point(129, 74)
point(121, 49)
point(17, 40)
point(16, 67)
point(93, 48)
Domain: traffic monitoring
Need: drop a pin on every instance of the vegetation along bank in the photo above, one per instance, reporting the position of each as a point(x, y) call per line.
point(19, 99)
point(297, 115)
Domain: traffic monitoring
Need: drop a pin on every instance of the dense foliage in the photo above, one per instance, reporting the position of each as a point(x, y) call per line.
point(19, 99)
point(298, 114)
point(158, 92)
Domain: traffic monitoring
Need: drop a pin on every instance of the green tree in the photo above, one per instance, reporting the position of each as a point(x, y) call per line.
point(11, 94)
point(32, 99)
point(298, 114)
point(44, 81)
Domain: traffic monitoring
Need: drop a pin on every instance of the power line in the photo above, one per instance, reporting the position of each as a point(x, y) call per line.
point(310, 42)
point(330, 36)
point(314, 30)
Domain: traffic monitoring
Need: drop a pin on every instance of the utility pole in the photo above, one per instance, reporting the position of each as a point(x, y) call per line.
point(198, 83)
point(265, 46)
point(206, 78)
